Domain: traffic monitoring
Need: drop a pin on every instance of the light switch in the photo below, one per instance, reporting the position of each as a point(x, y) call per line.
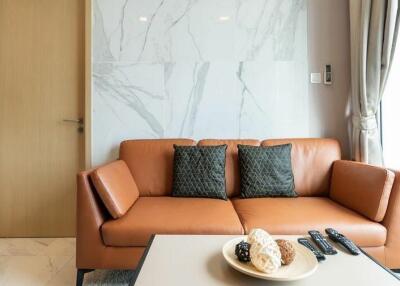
point(315, 77)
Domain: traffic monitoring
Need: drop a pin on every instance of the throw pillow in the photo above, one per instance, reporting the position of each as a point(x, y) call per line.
point(266, 171)
point(199, 171)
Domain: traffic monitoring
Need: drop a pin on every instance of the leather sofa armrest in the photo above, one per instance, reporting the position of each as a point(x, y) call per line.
point(392, 224)
point(91, 252)
point(91, 214)
point(361, 187)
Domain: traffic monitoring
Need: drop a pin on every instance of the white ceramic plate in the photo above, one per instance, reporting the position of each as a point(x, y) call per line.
point(304, 264)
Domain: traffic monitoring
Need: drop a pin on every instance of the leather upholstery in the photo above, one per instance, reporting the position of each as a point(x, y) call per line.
point(116, 187)
point(169, 215)
point(91, 253)
point(151, 163)
point(232, 176)
point(311, 162)
point(377, 253)
point(392, 223)
point(362, 188)
point(299, 215)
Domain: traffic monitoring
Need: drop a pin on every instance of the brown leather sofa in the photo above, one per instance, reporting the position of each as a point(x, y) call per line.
point(359, 200)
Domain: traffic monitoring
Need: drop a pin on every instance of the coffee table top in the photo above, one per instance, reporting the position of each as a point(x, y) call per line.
point(198, 260)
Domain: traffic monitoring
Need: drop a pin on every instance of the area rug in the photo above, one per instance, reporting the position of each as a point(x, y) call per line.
point(108, 278)
point(113, 278)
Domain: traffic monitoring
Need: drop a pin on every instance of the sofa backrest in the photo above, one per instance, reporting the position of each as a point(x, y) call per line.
point(232, 176)
point(312, 162)
point(151, 163)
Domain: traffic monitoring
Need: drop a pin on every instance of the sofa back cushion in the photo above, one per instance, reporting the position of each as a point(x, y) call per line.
point(116, 187)
point(312, 161)
point(151, 163)
point(362, 188)
point(232, 176)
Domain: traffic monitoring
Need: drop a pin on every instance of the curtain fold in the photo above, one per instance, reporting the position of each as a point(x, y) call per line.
point(373, 32)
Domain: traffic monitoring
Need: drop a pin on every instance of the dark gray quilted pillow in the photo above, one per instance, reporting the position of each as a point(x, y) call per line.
point(199, 171)
point(266, 171)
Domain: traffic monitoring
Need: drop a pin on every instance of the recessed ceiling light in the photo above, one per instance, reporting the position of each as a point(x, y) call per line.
point(224, 18)
point(143, 19)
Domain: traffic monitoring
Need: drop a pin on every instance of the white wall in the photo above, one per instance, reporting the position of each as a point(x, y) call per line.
point(329, 42)
point(246, 77)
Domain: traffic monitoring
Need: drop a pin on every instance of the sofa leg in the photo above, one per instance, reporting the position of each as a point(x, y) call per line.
point(80, 274)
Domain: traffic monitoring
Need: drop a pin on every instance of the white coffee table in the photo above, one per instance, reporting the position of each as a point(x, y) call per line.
point(197, 260)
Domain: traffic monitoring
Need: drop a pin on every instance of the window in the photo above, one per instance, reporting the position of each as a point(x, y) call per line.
point(391, 114)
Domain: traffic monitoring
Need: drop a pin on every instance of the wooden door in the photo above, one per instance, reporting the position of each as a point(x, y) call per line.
point(41, 83)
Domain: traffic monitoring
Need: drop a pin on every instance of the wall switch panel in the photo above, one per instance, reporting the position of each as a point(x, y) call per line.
point(315, 77)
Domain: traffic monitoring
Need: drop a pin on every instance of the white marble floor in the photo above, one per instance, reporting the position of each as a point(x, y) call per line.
point(47, 261)
point(37, 261)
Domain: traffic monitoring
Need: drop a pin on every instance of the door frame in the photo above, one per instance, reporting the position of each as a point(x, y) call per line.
point(88, 84)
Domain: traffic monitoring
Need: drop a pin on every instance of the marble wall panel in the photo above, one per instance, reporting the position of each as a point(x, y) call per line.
point(198, 69)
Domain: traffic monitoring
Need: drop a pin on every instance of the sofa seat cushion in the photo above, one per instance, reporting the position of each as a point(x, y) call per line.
point(299, 215)
point(170, 215)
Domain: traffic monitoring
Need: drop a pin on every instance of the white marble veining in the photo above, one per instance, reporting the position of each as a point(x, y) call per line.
point(198, 69)
point(34, 261)
point(49, 262)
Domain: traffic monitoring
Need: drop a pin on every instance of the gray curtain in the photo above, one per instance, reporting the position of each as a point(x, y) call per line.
point(373, 32)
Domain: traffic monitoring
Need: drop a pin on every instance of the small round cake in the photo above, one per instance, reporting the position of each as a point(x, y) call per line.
point(288, 252)
point(242, 251)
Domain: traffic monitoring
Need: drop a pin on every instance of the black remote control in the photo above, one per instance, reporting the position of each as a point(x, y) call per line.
point(340, 238)
point(322, 243)
point(318, 254)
